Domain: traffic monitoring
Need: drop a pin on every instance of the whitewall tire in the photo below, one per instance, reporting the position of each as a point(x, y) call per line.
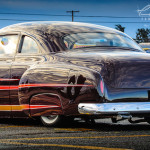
point(51, 120)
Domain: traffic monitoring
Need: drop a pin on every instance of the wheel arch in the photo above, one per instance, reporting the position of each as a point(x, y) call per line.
point(44, 104)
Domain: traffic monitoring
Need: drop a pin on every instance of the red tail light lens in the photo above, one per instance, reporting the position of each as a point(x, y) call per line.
point(102, 86)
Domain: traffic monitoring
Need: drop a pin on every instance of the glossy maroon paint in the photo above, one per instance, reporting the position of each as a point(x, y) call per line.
point(57, 77)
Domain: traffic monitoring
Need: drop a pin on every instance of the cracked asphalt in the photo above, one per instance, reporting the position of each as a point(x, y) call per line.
point(27, 134)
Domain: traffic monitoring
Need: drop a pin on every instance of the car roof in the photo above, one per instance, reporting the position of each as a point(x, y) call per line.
point(58, 27)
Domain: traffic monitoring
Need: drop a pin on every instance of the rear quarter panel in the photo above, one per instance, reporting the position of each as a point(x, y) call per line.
point(60, 85)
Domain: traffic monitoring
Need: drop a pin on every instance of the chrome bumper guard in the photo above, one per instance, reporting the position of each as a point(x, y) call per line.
point(113, 108)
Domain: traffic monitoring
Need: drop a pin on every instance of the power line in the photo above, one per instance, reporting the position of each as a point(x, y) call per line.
point(76, 21)
point(112, 22)
point(110, 17)
point(91, 16)
point(31, 14)
point(20, 20)
point(72, 12)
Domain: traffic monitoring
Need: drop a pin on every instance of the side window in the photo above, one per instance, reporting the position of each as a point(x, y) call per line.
point(29, 45)
point(8, 44)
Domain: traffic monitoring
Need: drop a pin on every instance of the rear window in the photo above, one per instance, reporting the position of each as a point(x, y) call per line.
point(80, 40)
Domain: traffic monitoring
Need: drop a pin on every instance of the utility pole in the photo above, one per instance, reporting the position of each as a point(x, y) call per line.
point(72, 12)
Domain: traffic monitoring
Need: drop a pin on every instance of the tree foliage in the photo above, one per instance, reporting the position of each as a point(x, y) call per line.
point(119, 27)
point(143, 35)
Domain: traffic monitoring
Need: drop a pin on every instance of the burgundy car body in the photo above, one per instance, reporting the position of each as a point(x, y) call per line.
point(98, 81)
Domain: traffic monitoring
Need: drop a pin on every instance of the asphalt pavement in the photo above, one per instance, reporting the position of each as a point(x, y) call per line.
point(27, 134)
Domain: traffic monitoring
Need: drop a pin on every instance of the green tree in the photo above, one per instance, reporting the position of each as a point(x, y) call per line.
point(119, 27)
point(143, 35)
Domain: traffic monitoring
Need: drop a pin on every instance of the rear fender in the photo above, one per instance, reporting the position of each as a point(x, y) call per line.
point(69, 85)
point(36, 86)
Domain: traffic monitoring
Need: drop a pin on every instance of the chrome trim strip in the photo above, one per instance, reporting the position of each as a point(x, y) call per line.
point(113, 108)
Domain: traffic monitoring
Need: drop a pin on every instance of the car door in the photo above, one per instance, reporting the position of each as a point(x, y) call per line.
point(8, 46)
point(28, 54)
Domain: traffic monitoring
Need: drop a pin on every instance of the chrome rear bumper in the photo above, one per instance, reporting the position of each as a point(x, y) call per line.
point(113, 108)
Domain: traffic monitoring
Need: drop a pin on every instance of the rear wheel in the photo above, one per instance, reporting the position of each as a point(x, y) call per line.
point(54, 120)
point(51, 120)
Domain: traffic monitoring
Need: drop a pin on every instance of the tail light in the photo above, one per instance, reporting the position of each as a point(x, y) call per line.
point(102, 87)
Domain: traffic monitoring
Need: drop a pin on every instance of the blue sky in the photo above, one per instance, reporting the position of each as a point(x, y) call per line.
point(120, 8)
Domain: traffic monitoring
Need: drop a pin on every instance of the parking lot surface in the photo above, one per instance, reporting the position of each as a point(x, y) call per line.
point(25, 134)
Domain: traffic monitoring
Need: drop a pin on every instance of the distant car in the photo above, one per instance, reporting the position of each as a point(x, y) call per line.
point(145, 46)
point(61, 70)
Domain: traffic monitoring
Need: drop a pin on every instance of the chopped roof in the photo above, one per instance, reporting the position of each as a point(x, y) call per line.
point(56, 26)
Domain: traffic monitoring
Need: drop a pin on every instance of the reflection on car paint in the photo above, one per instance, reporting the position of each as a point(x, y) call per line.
point(59, 74)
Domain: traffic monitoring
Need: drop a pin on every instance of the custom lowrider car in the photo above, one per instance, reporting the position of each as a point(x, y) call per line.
point(62, 70)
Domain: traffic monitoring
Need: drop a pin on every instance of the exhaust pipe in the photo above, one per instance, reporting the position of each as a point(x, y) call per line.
point(121, 116)
point(124, 116)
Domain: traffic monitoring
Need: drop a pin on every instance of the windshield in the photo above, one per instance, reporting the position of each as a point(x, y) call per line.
point(80, 40)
